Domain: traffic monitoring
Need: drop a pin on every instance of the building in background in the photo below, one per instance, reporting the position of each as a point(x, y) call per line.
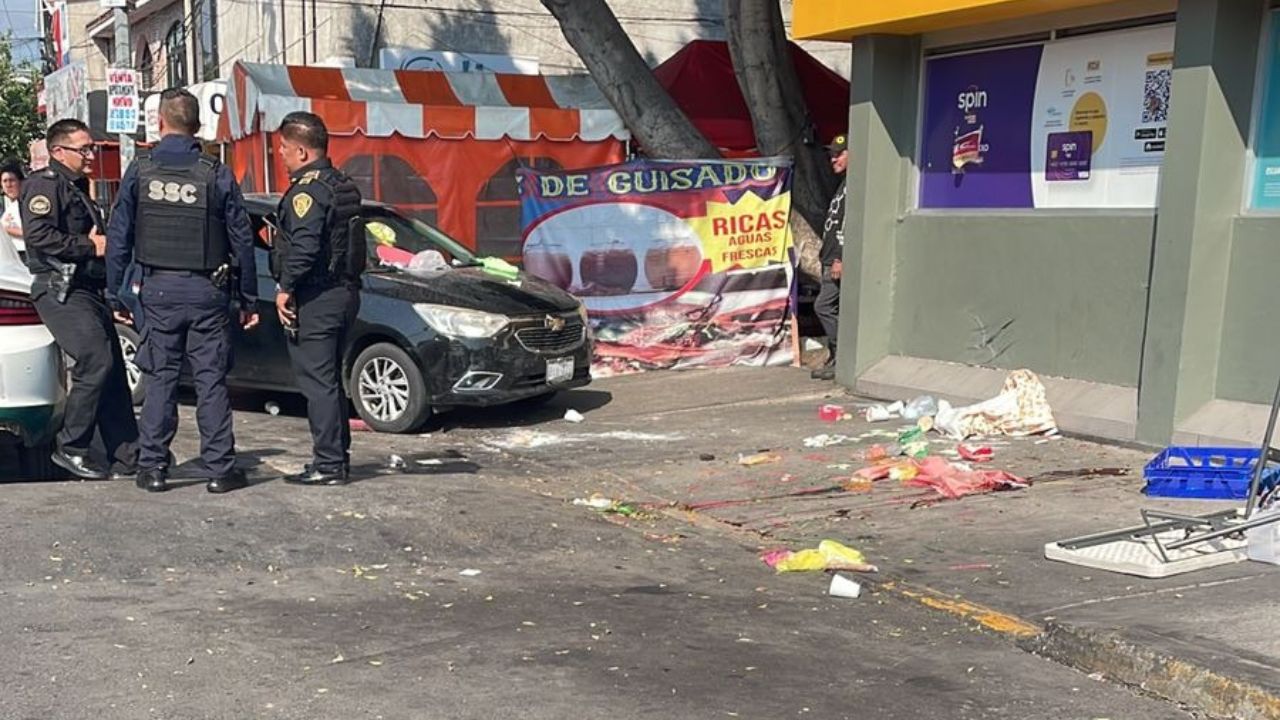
point(181, 42)
point(1090, 193)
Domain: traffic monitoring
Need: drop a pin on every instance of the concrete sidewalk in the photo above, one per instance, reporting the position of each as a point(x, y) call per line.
point(1201, 639)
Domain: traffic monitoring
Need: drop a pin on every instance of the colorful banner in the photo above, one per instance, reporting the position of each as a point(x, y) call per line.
point(680, 264)
point(1266, 140)
point(1074, 123)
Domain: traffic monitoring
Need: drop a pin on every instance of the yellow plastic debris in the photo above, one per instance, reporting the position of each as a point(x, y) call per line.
point(829, 555)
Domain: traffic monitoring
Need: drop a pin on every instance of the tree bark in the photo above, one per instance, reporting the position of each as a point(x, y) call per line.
point(648, 111)
point(771, 87)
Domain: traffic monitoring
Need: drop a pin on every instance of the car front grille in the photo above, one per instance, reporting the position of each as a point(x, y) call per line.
point(546, 341)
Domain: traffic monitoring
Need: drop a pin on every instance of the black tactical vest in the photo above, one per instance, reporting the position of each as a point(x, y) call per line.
point(177, 224)
point(345, 251)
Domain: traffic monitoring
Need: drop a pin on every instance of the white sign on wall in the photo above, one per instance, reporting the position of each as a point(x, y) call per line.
point(400, 58)
point(123, 107)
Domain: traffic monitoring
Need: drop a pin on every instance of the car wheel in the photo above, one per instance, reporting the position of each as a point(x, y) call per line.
point(388, 390)
point(130, 341)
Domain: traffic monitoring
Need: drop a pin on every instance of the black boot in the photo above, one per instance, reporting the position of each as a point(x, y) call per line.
point(312, 476)
point(152, 480)
point(233, 480)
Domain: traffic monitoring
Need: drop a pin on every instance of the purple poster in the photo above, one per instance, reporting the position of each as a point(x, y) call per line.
point(976, 137)
point(1068, 156)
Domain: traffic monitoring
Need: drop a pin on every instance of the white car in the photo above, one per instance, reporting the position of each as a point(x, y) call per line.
point(32, 373)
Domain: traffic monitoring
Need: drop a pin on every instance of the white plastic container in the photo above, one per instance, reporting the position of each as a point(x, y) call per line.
point(1264, 542)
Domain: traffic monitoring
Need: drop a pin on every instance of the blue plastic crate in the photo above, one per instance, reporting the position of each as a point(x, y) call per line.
point(1208, 473)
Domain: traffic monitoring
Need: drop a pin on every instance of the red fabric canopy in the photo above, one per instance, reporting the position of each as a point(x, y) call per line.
point(700, 79)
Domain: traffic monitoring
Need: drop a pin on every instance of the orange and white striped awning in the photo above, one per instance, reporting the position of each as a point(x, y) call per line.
point(420, 103)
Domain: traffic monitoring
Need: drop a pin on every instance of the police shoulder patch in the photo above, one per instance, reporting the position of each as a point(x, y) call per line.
point(301, 204)
point(39, 205)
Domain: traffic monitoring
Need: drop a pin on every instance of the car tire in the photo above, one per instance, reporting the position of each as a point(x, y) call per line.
point(388, 389)
point(130, 341)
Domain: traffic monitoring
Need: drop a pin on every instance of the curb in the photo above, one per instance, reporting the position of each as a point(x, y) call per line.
point(1108, 653)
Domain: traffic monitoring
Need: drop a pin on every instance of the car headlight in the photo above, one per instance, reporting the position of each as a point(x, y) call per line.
point(459, 323)
point(582, 312)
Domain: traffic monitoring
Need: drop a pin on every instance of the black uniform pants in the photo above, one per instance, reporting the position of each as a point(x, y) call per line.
point(185, 316)
point(324, 317)
point(99, 398)
point(827, 308)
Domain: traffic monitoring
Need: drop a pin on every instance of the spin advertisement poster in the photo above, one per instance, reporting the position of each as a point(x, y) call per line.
point(1074, 123)
point(680, 264)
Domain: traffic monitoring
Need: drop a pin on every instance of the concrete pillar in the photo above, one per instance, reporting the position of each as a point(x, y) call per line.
point(881, 150)
point(1201, 187)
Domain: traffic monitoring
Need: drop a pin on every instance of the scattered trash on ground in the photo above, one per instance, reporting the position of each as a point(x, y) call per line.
point(395, 462)
point(530, 439)
point(595, 502)
point(951, 480)
point(760, 458)
point(706, 457)
point(272, 408)
point(573, 416)
point(821, 441)
point(610, 506)
point(978, 454)
point(919, 407)
point(843, 587)
point(1020, 409)
point(357, 425)
point(880, 413)
point(829, 555)
point(832, 413)
point(914, 442)
point(954, 480)
point(469, 572)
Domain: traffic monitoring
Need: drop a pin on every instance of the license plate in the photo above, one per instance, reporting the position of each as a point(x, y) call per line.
point(559, 371)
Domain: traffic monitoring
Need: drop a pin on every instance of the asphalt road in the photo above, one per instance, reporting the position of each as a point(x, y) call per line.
point(365, 601)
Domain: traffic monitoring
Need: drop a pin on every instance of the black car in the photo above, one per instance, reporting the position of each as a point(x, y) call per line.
point(435, 329)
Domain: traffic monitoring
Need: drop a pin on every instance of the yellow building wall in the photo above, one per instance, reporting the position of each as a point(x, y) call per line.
point(844, 20)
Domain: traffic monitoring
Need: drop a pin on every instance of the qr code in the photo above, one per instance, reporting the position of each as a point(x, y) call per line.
point(1155, 96)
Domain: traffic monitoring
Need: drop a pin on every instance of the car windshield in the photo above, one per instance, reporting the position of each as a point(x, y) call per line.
point(395, 240)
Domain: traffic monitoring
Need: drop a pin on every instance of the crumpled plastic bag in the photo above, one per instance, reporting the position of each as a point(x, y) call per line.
point(829, 555)
point(1020, 409)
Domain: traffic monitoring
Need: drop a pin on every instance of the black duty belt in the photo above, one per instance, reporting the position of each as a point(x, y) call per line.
point(149, 271)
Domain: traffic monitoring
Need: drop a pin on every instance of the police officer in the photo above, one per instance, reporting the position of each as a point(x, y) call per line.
point(180, 216)
point(318, 261)
point(65, 247)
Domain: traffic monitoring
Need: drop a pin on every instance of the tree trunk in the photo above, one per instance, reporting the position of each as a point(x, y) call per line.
point(771, 87)
point(628, 83)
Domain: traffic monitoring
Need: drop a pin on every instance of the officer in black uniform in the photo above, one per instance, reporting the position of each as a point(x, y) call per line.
point(318, 261)
point(65, 246)
point(180, 216)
